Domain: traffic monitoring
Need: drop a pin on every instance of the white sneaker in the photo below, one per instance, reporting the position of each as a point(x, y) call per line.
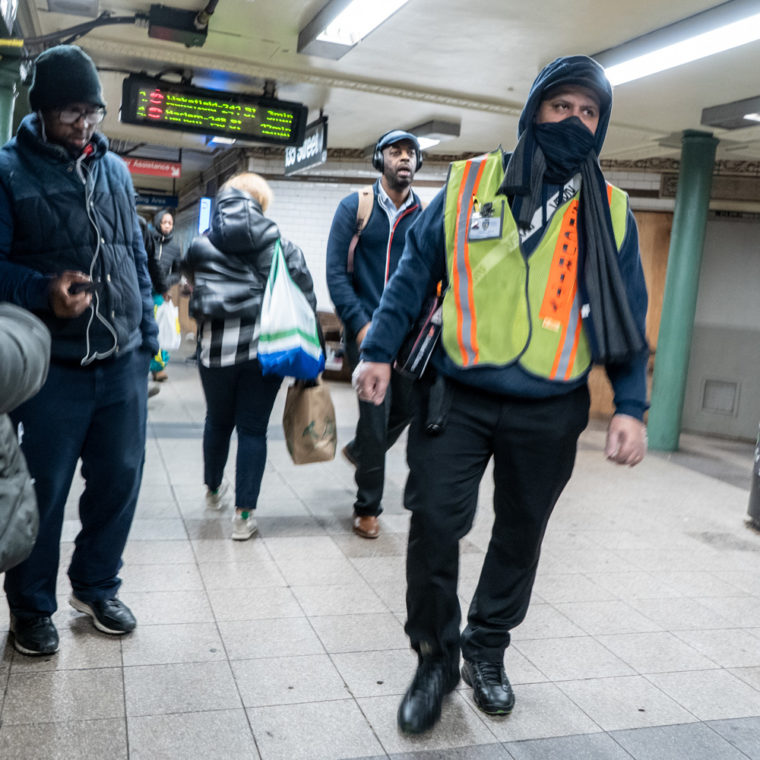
point(243, 525)
point(217, 499)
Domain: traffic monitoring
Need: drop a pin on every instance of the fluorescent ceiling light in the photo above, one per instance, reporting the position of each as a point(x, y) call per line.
point(358, 19)
point(341, 24)
point(724, 38)
point(727, 26)
point(220, 140)
point(735, 115)
point(433, 132)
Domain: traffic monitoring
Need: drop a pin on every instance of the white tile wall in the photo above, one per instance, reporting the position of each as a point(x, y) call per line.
point(304, 212)
point(634, 180)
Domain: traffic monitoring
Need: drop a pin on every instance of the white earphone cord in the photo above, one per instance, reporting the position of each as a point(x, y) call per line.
point(89, 356)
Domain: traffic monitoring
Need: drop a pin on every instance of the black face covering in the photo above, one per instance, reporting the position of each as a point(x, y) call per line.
point(554, 152)
point(565, 145)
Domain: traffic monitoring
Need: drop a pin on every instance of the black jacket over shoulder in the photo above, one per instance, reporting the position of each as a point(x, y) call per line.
point(229, 267)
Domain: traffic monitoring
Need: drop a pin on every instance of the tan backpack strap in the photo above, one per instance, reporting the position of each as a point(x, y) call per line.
point(363, 213)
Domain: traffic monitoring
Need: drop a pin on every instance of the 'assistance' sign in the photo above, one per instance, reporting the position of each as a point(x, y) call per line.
point(153, 167)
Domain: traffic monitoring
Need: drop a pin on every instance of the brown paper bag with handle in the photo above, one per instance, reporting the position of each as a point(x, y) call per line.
point(309, 422)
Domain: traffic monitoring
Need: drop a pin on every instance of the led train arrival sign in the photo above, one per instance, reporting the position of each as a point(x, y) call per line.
point(156, 103)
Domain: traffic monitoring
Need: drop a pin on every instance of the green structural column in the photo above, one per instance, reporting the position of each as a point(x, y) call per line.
point(9, 80)
point(681, 285)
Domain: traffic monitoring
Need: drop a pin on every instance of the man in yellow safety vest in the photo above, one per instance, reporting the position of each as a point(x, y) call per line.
point(540, 260)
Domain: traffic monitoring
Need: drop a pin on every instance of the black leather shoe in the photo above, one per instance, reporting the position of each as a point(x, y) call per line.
point(420, 708)
point(34, 636)
point(108, 615)
point(491, 688)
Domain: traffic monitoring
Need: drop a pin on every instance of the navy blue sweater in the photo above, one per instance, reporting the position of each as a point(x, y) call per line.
point(424, 263)
point(377, 254)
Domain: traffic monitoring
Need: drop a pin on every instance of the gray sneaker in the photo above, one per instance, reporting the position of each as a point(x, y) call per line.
point(243, 525)
point(218, 499)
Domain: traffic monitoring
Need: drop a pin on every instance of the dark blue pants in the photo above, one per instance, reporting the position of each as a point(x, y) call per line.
point(97, 413)
point(533, 444)
point(237, 397)
point(377, 429)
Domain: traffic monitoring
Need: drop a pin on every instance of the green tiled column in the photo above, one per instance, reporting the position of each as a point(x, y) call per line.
point(681, 287)
point(9, 80)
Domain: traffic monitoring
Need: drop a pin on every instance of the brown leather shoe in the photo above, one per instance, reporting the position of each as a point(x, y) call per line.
point(348, 455)
point(366, 526)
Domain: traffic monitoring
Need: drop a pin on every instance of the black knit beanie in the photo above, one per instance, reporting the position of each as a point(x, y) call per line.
point(64, 74)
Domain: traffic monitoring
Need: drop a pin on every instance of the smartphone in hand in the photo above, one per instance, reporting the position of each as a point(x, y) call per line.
point(81, 287)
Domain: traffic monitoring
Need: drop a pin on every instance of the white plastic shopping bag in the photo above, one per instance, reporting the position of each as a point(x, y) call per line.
point(167, 318)
point(289, 340)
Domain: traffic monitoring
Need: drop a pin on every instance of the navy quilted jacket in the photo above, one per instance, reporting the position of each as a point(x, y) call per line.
point(58, 214)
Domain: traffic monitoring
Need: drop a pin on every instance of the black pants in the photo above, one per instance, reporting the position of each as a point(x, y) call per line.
point(377, 429)
point(533, 443)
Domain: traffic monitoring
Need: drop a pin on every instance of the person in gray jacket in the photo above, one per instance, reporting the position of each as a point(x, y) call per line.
point(24, 362)
point(229, 268)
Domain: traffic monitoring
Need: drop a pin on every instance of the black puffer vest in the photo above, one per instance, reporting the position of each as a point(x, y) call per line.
point(50, 195)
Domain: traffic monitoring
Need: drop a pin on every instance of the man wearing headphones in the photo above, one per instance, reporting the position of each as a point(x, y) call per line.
point(71, 251)
point(363, 251)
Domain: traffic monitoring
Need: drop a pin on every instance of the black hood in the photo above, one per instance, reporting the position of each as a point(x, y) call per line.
point(573, 69)
point(238, 225)
point(158, 216)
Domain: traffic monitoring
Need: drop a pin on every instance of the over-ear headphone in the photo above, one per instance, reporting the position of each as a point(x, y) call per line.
point(395, 135)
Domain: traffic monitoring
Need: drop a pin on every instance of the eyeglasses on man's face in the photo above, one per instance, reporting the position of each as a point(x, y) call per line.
point(71, 116)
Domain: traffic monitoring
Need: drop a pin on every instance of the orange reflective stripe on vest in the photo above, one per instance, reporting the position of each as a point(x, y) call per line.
point(461, 275)
point(561, 307)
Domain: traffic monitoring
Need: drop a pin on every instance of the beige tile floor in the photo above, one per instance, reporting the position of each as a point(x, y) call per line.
point(642, 641)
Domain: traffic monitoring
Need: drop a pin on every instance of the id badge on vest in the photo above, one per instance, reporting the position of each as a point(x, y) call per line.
point(485, 222)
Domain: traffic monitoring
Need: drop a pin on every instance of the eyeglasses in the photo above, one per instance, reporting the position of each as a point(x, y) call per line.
point(71, 116)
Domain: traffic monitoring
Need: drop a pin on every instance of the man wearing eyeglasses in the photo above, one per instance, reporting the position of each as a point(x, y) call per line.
point(71, 251)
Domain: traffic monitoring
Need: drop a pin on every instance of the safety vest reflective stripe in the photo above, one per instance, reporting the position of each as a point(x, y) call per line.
point(562, 302)
point(461, 277)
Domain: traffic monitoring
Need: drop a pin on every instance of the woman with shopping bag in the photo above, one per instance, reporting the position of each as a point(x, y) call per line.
point(230, 269)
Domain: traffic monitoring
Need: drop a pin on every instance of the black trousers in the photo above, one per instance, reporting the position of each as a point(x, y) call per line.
point(377, 429)
point(533, 443)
